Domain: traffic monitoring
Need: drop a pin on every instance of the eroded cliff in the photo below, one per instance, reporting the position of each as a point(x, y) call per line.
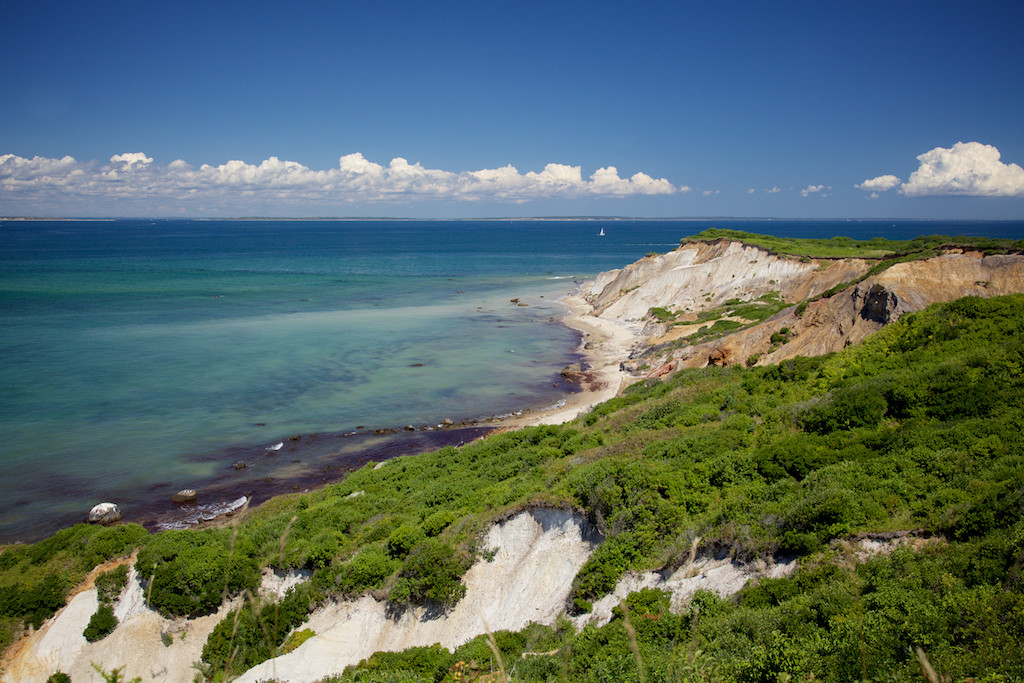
point(671, 300)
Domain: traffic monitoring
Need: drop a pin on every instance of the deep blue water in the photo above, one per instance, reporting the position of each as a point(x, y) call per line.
point(139, 357)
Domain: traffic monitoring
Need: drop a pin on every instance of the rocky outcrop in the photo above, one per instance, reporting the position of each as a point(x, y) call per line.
point(703, 276)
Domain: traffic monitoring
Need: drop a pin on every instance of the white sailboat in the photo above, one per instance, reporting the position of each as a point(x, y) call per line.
point(601, 234)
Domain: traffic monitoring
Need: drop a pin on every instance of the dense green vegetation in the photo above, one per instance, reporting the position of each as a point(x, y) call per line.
point(35, 579)
point(845, 247)
point(109, 585)
point(916, 431)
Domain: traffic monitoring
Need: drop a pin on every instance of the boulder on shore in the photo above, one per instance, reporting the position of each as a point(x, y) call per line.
point(184, 496)
point(105, 513)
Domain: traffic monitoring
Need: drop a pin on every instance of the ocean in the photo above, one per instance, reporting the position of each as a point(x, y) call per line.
point(258, 357)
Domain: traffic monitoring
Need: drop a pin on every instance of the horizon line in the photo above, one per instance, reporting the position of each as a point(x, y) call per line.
point(507, 218)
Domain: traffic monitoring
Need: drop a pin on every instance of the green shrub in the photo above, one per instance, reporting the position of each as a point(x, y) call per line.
point(101, 624)
point(110, 584)
point(34, 602)
point(369, 569)
point(256, 631)
point(191, 572)
point(417, 663)
point(403, 539)
point(848, 408)
point(296, 639)
point(431, 572)
point(662, 314)
point(438, 521)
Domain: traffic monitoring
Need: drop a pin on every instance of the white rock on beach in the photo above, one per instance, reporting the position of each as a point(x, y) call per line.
point(105, 513)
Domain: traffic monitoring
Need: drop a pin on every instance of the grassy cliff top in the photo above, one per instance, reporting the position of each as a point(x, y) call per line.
point(845, 247)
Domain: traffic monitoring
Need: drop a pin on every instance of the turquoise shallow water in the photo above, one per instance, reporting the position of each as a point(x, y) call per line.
point(142, 357)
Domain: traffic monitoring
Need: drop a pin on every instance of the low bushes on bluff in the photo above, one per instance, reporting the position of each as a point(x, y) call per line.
point(191, 572)
point(916, 429)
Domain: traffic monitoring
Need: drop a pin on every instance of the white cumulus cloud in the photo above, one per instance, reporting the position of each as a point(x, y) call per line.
point(135, 176)
point(813, 189)
point(966, 168)
point(131, 159)
point(879, 184)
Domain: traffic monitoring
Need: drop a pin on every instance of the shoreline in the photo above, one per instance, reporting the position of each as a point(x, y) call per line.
point(603, 346)
point(257, 477)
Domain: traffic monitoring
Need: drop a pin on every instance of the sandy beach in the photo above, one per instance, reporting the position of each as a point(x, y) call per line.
point(605, 345)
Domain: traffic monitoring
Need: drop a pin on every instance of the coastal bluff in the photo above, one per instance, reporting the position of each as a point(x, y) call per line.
point(824, 304)
point(713, 302)
point(532, 560)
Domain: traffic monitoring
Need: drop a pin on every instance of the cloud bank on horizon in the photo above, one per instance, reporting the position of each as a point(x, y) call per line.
point(967, 168)
point(134, 181)
point(134, 175)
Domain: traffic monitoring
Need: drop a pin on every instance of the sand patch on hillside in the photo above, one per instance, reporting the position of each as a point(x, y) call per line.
point(536, 557)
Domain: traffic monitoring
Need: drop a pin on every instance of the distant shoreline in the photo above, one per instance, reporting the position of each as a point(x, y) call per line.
point(491, 219)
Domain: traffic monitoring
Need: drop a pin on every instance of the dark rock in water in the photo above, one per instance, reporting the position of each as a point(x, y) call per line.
point(239, 465)
point(410, 428)
point(295, 438)
point(105, 513)
point(184, 496)
point(573, 372)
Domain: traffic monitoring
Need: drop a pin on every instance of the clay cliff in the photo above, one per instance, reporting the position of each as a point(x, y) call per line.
point(824, 304)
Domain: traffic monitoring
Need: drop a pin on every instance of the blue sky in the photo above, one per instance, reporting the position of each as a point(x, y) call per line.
point(513, 109)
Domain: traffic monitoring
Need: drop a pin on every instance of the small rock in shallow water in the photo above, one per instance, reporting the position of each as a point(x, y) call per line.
point(184, 496)
point(239, 465)
point(105, 513)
